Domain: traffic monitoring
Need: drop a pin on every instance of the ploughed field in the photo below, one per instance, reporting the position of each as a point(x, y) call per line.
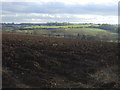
point(36, 62)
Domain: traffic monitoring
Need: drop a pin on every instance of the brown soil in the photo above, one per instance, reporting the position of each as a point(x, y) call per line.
point(37, 62)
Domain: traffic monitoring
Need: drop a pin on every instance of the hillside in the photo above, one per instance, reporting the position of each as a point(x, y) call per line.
point(37, 61)
point(104, 32)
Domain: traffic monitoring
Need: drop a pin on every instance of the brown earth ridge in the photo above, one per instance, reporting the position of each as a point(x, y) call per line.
point(47, 62)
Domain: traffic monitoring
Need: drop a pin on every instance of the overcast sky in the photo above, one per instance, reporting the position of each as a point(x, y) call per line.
point(77, 11)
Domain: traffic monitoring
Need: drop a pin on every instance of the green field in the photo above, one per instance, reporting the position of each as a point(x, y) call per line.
point(68, 26)
point(90, 31)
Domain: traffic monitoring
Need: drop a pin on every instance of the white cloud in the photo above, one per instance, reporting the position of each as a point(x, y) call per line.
point(35, 17)
point(69, 1)
point(68, 14)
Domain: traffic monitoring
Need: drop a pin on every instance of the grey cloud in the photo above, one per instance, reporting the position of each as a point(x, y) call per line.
point(42, 17)
point(22, 11)
point(53, 18)
point(58, 8)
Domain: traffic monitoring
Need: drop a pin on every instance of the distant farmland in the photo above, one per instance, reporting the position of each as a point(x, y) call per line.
point(65, 26)
point(104, 32)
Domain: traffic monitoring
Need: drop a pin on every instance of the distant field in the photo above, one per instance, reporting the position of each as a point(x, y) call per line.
point(81, 31)
point(86, 30)
point(74, 31)
point(68, 26)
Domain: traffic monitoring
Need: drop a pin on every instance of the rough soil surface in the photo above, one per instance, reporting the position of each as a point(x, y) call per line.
point(37, 62)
